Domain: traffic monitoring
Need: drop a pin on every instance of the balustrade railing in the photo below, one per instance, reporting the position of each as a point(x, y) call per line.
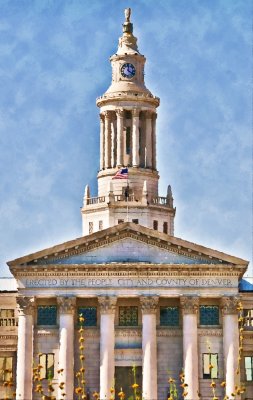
point(9, 321)
point(163, 201)
point(121, 197)
point(95, 200)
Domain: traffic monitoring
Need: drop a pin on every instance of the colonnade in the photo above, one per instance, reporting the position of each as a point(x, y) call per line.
point(113, 135)
point(107, 304)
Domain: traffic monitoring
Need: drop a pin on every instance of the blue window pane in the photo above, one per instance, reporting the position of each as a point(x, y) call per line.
point(209, 315)
point(46, 315)
point(89, 314)
point(169, 316)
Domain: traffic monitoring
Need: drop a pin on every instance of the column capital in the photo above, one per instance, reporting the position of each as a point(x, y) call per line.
point(136, 112)
point(149, 304)
point(108, 114)
point(154, 116)
point(107, 304)
point(119, 112)
point(25, 305)
point(149, 113)
point(189, 304)
point(66, 304)
point(229, 305)
point(102, 116)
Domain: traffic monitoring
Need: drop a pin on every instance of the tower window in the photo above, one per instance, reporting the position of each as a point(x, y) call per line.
point(155, 225)
point(128, 140)
point(128, 114)
point(6, 368)
point(209, 315)
point(90, 227)
point(100, 225)
point(165, 227)
point(135, 221)
point(210, 366)
point(47, 363)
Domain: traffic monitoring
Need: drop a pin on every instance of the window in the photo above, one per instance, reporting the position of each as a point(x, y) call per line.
point(135, 221)
point(128, 114)
point(210, 366)
point(248, 362)
point(128, 140)
point(100, 225)
point(47, 363)
point(165, 227)
point(46, 315)
point(209, 315)
point(120, 221)
point(6, 369)
point(248, 317)
point(90, 227)
point(169, 316)
point(155, 225)
point(7, 317)
point(89, 314)
point(128, 316)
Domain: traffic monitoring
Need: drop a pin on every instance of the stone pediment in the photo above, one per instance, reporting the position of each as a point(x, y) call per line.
point(127, 243)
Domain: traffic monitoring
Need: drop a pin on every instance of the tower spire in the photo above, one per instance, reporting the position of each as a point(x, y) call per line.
point(127, 42)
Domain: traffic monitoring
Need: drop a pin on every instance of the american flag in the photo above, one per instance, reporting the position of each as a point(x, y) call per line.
point(121, 174)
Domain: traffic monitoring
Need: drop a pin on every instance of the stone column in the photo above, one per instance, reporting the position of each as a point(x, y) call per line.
point(154, 141)
point(148, 155)
point(107, 139)
point(149, 347)
point(113, 141)
point(230, 343)
point(190, 345)
point(25, 348)
point(66, 337)
point(102, 141)
point(107, 339)
point(120, 119)
point(135, 137)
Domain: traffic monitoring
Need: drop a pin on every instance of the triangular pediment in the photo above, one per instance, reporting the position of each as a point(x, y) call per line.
point(127, 243)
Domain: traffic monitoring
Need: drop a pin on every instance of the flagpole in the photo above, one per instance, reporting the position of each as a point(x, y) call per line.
point(127, 197)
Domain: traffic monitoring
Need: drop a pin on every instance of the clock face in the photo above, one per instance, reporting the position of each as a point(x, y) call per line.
point(127, 70)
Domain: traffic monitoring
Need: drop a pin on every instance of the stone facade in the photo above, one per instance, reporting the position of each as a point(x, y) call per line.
point(150, 299)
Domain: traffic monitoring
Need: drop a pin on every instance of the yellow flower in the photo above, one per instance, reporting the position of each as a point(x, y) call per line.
point(81, 339)
point(135, 385)
point(210, 366)
point(171, 380)
point(223, 384)
point(78, 390)
point(112, 390)
point(185, 394)
point(213, 384)
point(82, 357)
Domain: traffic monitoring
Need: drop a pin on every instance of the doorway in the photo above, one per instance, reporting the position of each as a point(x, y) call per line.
point(124, 378)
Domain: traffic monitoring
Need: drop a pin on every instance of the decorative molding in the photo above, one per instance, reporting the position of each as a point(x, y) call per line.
point(149, 304)
point(25, 305)
point(128, 332)
point(49, 332)
point(119, 112)
point(210, 332)
point(189, 304)
point(66, 304)
point(7, 337)
point(107, 304)
point(169, 332)
point(91, 333)
point(229, 305)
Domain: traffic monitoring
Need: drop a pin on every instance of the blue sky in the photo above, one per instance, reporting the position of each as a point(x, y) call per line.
point(54, 63)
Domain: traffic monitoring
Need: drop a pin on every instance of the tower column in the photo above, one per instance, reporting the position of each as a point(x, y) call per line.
point(120, 116)
point(25, 348)
point(190, 345)
point(66, 337)
point(135, 138)
point(107, 339)
point(148, 155)
point(230, 343)
point(154, 141)
point(107, 139)
point(149, 347)
point(102, 141)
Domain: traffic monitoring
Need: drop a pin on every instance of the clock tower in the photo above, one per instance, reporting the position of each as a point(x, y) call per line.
point(128, 141)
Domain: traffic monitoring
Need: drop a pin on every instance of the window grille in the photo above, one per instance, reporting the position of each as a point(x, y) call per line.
point(46, 315)
point(155, 225)
point(89, 314)
point(128, 316)
point(90, 227)
point(248, 363)
point(6, 369)
point(165, 227)
point(210, 366)
point(248, 317)
point(7, 317)
point(209, 315)
point(46, 360)
point(169, 316)
point(100, 225)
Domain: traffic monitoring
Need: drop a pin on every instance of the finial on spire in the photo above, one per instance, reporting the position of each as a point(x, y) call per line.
point(127, 14)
